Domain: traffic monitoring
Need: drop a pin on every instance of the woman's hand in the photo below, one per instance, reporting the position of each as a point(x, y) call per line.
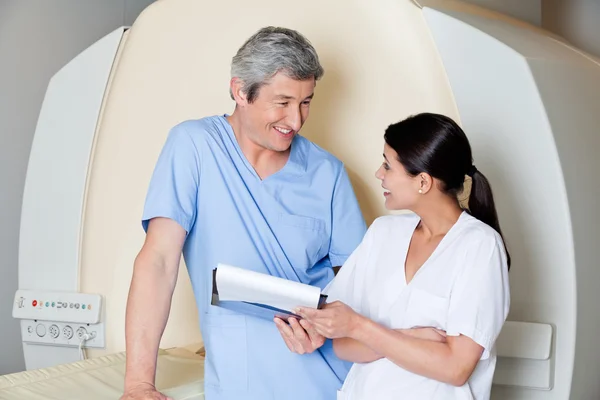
point(334, 320)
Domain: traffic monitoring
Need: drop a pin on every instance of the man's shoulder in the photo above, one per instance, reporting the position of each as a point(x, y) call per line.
point(316, 154)
point(200, 129)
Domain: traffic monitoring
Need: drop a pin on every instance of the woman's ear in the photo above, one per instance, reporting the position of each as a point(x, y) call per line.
point(425, 182)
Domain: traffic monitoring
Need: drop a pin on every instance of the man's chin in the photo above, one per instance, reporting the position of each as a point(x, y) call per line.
point(282, 146)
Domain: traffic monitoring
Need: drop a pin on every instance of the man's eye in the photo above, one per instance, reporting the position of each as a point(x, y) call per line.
point(283, 104)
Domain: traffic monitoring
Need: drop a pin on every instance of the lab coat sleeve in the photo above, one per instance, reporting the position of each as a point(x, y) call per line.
point(347, 225)
point(480, 298)
point(173, 188)
point(347, 284)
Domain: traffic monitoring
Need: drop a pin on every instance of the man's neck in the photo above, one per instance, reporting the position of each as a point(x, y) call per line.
point(264, 161)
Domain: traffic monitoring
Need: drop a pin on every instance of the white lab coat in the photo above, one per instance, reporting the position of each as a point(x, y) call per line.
point(462, 288)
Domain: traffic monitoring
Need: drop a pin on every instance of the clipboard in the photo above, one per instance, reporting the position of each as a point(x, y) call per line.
point(258, 310)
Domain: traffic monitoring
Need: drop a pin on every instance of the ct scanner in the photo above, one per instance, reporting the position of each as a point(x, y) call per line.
point(528, 101)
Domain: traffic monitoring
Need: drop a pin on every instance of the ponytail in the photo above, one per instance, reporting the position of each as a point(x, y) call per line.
point(435, 144)
point(481, 204)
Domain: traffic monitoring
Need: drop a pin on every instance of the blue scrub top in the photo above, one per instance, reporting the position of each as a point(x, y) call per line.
point(295, 224)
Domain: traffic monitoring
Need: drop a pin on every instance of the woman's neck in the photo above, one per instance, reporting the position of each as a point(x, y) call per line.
point(439, 216)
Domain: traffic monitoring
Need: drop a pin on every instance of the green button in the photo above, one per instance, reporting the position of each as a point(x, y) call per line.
point(52, 304)
point(83, 306)
point(47, 304)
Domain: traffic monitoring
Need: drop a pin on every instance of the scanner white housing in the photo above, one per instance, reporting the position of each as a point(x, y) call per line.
point(528, 101)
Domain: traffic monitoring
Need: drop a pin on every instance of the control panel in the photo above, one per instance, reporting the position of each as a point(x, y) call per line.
point(57, 306)
point(63, 333)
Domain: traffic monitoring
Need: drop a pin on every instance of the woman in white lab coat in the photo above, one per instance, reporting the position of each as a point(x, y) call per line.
point(440, 267)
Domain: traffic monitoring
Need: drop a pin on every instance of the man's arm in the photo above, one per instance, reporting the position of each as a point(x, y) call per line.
point(149, 302)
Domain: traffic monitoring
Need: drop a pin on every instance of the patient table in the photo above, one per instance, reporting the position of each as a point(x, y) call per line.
point(179, 375)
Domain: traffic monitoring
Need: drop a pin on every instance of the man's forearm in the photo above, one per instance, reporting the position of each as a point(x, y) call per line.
point(148, 308)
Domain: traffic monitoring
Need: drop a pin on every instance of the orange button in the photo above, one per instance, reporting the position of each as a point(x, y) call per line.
point(34, 303)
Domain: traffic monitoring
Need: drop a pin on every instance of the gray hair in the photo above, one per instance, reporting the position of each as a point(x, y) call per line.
point(272, 50)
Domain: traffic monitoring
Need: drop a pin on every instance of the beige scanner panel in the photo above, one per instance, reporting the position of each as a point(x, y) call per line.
point(380, 66)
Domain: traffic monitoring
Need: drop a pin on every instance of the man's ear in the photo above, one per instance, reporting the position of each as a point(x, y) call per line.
point(239, 96)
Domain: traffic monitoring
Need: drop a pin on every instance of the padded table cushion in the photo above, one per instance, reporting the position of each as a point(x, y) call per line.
point(179, 375)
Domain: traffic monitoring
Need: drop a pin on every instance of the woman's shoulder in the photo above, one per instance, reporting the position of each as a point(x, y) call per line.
point(395, 223)
point(477, 230)
point(478, 239)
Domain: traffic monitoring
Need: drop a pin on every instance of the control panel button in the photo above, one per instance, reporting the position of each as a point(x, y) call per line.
point(83, 306)
point(34, 303)
point(54, 331)
point(53, 304)
point(40, 330)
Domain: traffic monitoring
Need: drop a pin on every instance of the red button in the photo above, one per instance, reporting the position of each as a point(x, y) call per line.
point(34, 303)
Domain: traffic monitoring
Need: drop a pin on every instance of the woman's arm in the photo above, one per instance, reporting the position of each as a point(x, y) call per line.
point(301, 337)
point(354, 351)
point(452, 361)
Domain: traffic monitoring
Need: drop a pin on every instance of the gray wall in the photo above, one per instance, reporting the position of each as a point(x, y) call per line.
point(37, 37)
point(527, 10)
point(576, 20)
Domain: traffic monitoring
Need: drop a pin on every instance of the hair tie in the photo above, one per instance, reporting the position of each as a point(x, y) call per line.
point(472, 171)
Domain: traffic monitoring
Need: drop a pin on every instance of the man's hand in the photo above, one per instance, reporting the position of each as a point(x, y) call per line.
point(300, 337)
point(144, 391)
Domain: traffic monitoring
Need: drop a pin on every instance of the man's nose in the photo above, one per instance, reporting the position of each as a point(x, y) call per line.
point(294, 119)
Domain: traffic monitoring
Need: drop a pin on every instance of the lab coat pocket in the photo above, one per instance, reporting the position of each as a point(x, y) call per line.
point(302, 238)
point(226, 352)
point(425, 309)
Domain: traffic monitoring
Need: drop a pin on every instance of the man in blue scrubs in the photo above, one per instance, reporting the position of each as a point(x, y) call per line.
point(247, 190)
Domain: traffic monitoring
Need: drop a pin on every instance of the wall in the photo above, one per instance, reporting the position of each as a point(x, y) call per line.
point(578, 21)
point(37, 38)
point(526, 10)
